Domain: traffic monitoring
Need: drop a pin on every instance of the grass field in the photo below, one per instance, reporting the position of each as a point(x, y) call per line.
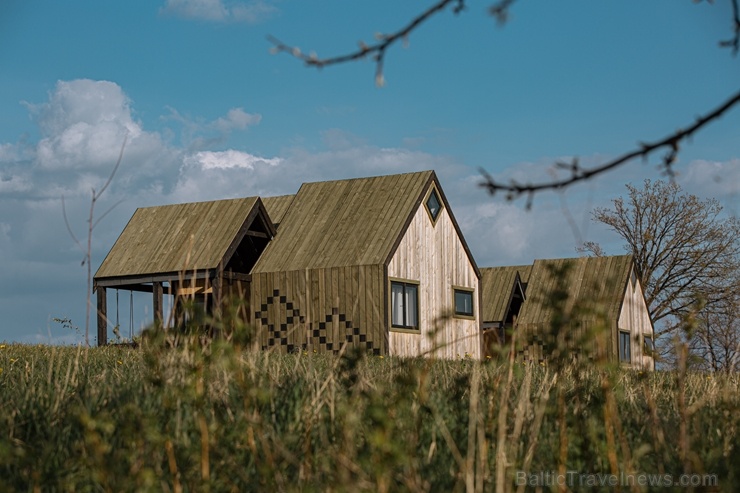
point(194, 417)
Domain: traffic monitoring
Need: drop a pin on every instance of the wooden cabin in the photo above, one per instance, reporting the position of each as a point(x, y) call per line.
point(602, 311)
point(502, 292)
point(201, 251)
point(376, 263)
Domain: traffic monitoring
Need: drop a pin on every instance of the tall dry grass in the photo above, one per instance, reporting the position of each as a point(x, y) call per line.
point(186, 413)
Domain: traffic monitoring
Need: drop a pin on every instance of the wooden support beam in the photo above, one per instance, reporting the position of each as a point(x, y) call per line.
point(102, 316)
point(157, 301)
point(236, 276)
point(113, 282)
point(257, 234)
point(144, 288)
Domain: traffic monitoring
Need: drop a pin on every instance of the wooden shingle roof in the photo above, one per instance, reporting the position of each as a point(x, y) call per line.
point(277, 207)
point(345, 222)
point(173, 238)
point(497, 286)
point(595, 284)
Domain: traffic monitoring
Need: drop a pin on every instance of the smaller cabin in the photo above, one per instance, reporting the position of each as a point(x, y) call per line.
point(503, 292)
point(201, 251)
point(590, 307)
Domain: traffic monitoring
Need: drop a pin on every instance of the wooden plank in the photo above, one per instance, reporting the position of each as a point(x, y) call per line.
point(376, 295)
point(102, 312)
point(361, 301)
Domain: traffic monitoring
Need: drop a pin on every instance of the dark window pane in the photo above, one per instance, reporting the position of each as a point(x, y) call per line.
point(463, 302)
point(649, 345)
point(412, 296)
point(397, 304)
point(624, 347)
point(434, 205)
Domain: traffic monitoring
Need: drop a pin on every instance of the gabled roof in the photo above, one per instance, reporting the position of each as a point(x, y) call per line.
point(277, 207)
point(172, 238)
point(497, 286)
point(595, 284)
point(347, 222)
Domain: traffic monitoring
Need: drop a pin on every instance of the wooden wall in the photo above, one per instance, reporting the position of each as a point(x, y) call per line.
point(433, 255)
point(320, 309)
point(635, 318)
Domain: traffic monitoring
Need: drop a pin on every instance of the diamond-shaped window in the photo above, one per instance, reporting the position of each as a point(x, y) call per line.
point(434, 205)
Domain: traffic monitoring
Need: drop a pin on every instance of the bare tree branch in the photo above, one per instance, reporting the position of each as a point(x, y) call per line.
point(515, 189)
point(92, 222)
point(115, 168)
point(734, 42)
point(69, 228)
point(378, 49)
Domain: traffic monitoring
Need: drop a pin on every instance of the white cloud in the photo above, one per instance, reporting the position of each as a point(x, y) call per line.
point(250, 12)
point(84, 124)
point(14, 183)
point(198, 134)
point(229, 159)
point(238, 119)
point(712, 178)
point(208, 175)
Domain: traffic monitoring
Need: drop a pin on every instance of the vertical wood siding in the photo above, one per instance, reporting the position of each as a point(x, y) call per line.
point(635, 318)
point(320, 309)
point(434, 256)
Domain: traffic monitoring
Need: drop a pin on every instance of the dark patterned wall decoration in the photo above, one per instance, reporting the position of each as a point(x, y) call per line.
point(327, 334)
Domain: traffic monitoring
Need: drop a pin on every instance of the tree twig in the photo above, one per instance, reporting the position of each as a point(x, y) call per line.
point(734, 42)
point(514, 189)
point(377, 50)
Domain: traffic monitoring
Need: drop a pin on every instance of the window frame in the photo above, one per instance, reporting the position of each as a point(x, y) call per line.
point(403, 328)
point(466, 290)
point(433, 190)
point(620, 354)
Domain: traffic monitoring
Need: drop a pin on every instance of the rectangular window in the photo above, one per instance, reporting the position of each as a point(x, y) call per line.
point(404, 305)
point(463, 302)
point(624, 347)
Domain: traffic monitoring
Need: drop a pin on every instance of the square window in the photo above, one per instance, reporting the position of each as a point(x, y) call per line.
point(434, 205)
point(404, 305)
point(625, 341)
point(463, 302)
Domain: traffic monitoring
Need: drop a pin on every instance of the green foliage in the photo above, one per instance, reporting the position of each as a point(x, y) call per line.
point(184, 413)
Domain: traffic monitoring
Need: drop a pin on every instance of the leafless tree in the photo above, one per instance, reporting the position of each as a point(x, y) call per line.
point(687, 253)
point(716, 335)
point(92, 222)
point(378, 49)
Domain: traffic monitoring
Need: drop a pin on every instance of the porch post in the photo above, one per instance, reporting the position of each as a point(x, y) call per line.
point(102, 312)
point(157, 301)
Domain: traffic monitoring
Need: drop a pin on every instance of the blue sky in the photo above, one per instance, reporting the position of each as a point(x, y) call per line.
point(210, 113)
